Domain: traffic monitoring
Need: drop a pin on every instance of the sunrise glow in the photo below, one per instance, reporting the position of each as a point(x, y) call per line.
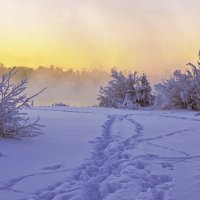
point(150, 36)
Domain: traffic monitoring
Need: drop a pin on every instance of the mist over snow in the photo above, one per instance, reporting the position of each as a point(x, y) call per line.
point(73, 87)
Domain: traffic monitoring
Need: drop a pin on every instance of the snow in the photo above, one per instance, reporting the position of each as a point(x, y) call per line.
point(104, 154)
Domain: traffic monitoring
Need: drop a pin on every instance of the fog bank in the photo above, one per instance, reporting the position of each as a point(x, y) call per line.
point(76, 88)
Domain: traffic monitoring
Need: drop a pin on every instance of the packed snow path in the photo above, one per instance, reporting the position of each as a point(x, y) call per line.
point(132, 155)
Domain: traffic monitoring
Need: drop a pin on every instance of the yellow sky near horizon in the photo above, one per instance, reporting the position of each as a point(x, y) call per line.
point(150, 35)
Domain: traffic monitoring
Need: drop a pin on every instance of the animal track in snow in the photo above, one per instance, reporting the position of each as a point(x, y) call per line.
point(53, 167)
point(111, 172)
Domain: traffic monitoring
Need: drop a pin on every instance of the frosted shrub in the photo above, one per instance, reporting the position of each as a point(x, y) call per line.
point(180, 91)
point(125, 92)
point(14, 122)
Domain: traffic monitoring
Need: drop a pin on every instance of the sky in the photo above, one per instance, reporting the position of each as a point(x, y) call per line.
point(152, 36)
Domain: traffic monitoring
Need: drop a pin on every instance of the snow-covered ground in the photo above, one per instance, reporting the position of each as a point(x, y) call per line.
point(104, 154)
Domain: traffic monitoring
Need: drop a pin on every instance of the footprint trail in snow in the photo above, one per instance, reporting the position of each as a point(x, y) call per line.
point(138, 155)
point(113, 172)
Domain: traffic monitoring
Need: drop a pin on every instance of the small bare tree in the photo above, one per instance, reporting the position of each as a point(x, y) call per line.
point(13, 121)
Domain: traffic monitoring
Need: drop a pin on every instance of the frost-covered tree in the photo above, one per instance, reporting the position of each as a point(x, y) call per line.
point(144, 92)
point(180, 91)
point(125, 92)
point(13, 121)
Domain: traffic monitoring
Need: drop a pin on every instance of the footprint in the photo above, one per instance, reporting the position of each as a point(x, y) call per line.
point(167, 165)
point(53, 167)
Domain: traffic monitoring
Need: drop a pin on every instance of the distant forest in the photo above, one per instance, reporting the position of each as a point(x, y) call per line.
point(73, 87)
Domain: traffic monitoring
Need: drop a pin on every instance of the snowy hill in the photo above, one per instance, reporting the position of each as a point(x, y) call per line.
point(104, 154)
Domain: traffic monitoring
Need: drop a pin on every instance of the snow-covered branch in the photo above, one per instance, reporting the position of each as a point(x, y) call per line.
point(14, 122)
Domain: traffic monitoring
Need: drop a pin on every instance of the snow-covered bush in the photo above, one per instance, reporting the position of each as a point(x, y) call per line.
point(180, 91)
point(125, 92)
point(14, 122)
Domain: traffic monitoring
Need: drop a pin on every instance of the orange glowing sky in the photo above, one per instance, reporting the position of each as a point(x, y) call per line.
point(147, 35)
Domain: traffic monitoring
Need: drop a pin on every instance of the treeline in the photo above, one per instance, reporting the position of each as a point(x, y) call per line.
point(125, 90)
point(56, 73)
point(73, 87)
point(180, 91)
